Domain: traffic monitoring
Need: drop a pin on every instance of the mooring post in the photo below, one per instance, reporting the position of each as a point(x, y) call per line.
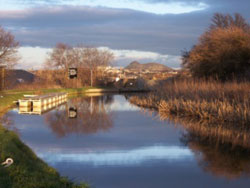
point(2, 68)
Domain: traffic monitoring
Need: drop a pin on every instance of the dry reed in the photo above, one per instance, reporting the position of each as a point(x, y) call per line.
point(223, 103)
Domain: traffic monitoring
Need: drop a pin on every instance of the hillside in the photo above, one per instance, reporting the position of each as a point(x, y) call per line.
point(15, 77)
point(148, 66)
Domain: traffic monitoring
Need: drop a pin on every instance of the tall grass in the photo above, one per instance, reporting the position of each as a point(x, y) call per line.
point(223, 103)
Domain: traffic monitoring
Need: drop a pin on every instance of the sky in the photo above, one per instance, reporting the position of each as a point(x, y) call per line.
point(142, 30)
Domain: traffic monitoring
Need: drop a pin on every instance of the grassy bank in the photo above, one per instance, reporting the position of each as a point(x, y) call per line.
point(28, 170)
point(227, 104)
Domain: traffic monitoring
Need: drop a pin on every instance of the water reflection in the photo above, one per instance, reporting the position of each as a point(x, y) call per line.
point(127, 158)
point(109, 142)
point(81, 116)
point(7, 120)
point(220, 150)
point(72, 112)
point(234, 135)
point(219, 159)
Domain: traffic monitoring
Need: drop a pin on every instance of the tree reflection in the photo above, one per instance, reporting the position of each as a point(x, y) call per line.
point(219, 150)
point(93, 115)
point(222, 150)
point(219, 159)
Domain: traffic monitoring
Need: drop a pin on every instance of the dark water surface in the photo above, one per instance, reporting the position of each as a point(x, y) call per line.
point(114, 144)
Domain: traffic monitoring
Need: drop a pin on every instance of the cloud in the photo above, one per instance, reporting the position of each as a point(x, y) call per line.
point(117, 29)
point(145, 6)
point(156, 7)
point(34, 57)
point(124, 57)
point(45, 23)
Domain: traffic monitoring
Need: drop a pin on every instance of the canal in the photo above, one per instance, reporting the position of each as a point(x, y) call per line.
point(110, 143)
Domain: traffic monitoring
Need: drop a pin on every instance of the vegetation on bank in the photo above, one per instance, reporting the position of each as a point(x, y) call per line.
point(27, 170)
point(220, 103)
point(221, 55)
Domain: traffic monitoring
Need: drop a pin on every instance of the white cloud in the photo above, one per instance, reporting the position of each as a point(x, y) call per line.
point(124, 57)
point(34, 57)
point(136, 54)
point(121, 158)
point(145, 6)
point(156, 8)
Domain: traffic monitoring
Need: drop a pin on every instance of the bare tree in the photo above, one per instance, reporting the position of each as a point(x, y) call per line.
point(60, 57)
point(8, 48)
point(94, 58)
point(85, 59)
point(225, 21)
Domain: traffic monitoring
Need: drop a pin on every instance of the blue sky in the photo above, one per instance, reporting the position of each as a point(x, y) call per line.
point(143, 30)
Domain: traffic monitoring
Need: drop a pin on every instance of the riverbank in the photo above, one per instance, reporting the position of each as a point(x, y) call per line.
point(27, 170)
point(211, 110)
point(227, 104)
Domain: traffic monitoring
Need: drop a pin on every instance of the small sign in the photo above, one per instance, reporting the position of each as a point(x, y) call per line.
point(72, 113)
point(72, 73)
point(117, 79)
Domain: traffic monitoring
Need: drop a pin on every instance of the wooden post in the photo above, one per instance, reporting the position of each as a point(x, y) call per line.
point(2, 68)
point(91, 75)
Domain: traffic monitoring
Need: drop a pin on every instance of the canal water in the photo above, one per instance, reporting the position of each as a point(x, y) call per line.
point(110, 143)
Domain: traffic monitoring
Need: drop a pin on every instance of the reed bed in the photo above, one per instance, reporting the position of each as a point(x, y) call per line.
point(217, 103)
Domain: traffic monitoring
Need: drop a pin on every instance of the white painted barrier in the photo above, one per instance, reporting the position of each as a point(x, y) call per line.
point(41, 104)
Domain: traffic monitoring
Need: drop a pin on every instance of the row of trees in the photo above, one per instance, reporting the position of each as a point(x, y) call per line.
point(63, 56)
point(223, 51)
point(87, 60)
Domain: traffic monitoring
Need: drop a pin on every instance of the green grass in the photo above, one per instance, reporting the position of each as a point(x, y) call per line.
point(27, 171)
point(7, 99)
point(68, 90)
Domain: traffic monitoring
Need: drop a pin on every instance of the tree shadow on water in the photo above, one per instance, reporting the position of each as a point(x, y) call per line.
point(93, 115)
